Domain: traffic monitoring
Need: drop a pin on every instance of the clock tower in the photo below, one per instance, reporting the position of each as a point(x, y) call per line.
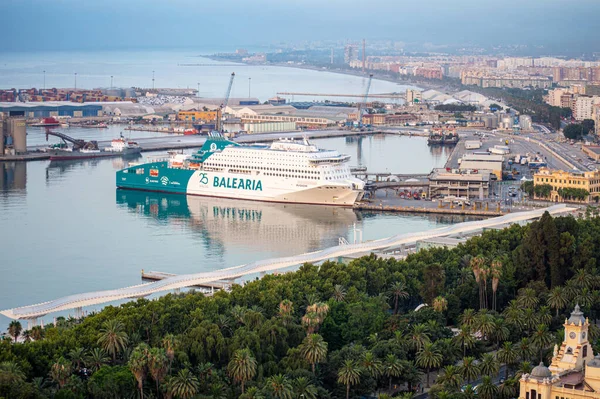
point(575, 349)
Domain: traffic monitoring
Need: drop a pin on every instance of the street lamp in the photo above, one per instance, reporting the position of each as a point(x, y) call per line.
point(249, 80)
point(44, 80)
point(198, 92)
point(75, 81)
point(111, 82)
point(152, 80)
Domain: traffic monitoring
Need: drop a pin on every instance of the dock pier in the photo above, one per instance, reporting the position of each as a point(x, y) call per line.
point(207, 288)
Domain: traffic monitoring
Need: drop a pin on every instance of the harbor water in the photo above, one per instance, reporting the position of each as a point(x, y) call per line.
point(66, 229)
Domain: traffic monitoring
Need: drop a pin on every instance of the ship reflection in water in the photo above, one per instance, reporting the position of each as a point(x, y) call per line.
point(279, 228)
point(59, 168)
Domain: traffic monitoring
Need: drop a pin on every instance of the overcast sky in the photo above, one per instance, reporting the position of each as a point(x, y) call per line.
point(111, 24)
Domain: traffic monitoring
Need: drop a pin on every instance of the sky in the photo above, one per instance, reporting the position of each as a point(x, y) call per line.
point(31, 25)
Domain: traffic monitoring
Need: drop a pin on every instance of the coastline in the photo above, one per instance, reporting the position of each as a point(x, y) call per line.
point(348, 72)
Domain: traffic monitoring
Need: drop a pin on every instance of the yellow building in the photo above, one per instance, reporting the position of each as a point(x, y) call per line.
point(559, 179)
point(199, 116)
point(574, 372)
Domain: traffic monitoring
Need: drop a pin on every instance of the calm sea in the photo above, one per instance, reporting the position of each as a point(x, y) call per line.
point(135, 68)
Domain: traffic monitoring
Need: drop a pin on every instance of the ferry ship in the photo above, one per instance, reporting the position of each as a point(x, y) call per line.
point(285, 171)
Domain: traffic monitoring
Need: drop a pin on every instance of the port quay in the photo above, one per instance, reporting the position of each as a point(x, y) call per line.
point(399, 243)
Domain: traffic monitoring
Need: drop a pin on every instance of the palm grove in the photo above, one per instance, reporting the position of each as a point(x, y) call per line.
point(336, 331)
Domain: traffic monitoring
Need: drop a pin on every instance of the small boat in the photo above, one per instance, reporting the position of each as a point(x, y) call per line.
point(47, 122)
point(85, 150)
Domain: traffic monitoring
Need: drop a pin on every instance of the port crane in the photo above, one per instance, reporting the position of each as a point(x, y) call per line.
point(226, 100)
point(363, 104)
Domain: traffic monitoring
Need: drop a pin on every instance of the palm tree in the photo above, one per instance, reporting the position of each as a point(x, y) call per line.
point(524, 368)
point(314, 350)
point(477, 265)
point(242, 367)
point(169, 342)
point(112, 338)
point(557, 299)
point(419, 336)
point(286, 308)
point(77, 357)
point(254, 393)
point(525, 348)
point(349, 374)
point(440, 304)
point(544, 315)
point(392, 367)
point(530, 319)
point(14, 329)
point(584, 297)
point(37, 333)
point(429, 357)
point(487, 389)
point(507, 355)
point(184, 385)
point(11, 374)
point(513, 315)
point(541, 338)
point(464, 339)
point(311, 321)
point(398, 290)
point(138, 364)
point(469, 369)
point(60, 371)
point(489, 365)
point(467, 319)
point(303, 389)
point(451, 378)
point(509, 388)
point(468, 392)
point(339, 293)
point(27, 336)
point(158, 365)
point(96, 359)
point(528, 298)
point(496, 273)
point(372, 365)
point(279, 386)
point(501, 332)
point(484, 323)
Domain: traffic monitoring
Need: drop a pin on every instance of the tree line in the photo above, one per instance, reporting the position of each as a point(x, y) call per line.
point(491, 308)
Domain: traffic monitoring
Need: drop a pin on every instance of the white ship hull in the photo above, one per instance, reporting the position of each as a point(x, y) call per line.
point(273, 189)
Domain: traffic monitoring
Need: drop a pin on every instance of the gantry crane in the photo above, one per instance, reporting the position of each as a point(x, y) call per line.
point(363, 104)
point(226, 100)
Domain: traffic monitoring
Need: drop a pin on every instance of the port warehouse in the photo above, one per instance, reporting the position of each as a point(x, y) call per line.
point(52, 108)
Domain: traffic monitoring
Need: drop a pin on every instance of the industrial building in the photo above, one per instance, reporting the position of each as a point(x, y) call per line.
point(270, 127)
point(460, 183)
point(53, 108)
point(491, 162)
point(13, 136)
point(592, 151)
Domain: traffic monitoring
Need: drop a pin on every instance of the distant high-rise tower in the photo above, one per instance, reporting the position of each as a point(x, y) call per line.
point(331, 59)
point(350, 53)
point(364, 54)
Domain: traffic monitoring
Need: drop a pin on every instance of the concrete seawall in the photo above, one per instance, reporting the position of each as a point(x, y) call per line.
point(439, 211)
